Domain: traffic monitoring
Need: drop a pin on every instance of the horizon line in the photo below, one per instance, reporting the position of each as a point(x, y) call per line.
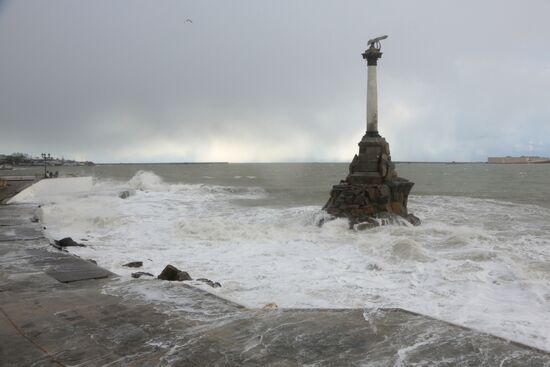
point(285, 162)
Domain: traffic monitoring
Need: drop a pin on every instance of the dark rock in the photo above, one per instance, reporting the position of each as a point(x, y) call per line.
point(172, 273)
point(319, 222)
point(414, 220)
point(140, 273)
point(209, 282)
point(124, 194)
point(34, 219)
point(92, 261)
point(374, 267)
point(134, 264)
point(68, 242)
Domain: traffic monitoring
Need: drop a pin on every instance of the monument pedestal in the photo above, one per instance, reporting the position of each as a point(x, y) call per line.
point(372, 194)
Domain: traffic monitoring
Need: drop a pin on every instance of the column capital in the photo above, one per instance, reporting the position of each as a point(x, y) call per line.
point(372, 54)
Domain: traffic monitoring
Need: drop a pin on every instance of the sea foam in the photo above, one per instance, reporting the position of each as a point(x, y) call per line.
point(479, 263)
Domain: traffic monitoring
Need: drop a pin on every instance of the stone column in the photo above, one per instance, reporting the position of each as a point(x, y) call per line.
point(372, 100)
point(372, 55)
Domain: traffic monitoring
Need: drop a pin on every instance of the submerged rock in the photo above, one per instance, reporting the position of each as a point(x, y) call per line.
point(209, 282)
point(124, 194)
point(374, 267)
point(414, 220)
point(324, 219)
point(141, 273)
point(172, 273)
point(134, 264)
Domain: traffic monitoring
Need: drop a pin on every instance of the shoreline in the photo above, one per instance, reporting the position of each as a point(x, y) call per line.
point(77, 322)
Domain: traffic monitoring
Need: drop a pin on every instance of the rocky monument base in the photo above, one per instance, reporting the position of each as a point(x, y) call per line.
point(372, 194)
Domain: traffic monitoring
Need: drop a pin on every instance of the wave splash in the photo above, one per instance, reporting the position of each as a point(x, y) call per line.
point(479, 263)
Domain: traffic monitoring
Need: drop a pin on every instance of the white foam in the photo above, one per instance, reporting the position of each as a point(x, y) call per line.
point(479, 263)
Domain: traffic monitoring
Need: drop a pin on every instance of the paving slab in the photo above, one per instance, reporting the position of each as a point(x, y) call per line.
point(21, 232)
point(18, 211)
point(101, 322)
point(12, 221)
point(65, 267)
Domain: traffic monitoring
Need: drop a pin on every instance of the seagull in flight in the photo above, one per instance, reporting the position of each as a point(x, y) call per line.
point(188, 20)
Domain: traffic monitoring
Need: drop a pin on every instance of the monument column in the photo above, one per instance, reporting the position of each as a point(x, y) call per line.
point(372, 54)
point(372, 193)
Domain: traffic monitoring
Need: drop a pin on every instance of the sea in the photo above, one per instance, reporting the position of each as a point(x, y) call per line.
point(481, 257)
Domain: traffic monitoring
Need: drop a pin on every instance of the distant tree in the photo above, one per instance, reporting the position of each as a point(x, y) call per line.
point(17, 158)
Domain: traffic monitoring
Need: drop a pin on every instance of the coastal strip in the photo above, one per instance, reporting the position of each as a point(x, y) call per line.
point(45, 321)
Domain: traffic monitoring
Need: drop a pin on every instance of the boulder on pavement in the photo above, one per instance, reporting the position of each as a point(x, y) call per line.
point(172, 273)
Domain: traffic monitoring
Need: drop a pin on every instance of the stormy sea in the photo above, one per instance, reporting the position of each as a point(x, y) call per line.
point(481, 257)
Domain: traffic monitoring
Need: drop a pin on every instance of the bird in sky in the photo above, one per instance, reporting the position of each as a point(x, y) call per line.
point(188, 20)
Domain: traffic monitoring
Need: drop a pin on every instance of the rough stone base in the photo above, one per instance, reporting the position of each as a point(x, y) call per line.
point(371, 204)
point(372, 194)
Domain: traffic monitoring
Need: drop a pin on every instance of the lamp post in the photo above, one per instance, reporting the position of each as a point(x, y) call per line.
point(46, 157)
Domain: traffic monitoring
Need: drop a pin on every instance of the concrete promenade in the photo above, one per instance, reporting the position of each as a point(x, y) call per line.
point(12, 185)
point(54, 311)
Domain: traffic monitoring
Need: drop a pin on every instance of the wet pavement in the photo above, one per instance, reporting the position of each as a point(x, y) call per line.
point(11, 185)
point(55, 311)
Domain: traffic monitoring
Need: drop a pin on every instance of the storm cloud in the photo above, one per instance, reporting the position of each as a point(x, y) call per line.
point(246, 81)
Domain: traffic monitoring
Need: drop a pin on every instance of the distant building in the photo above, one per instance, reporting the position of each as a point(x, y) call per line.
point(522, 159)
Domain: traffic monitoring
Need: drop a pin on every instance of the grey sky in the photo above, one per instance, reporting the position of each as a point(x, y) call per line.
point(132, 81)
